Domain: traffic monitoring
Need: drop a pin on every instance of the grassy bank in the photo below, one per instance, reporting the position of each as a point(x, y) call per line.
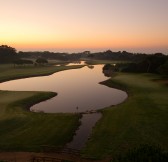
point(22, 130)
point(142, 119)
point(9, 72)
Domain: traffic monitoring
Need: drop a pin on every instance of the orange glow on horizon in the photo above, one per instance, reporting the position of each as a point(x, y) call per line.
point(84, 24)
point(85, 43)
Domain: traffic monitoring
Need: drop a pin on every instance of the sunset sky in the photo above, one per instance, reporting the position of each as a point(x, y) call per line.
point(78, 25)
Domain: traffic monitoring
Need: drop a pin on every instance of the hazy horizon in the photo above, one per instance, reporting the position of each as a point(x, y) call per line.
point(65, 50)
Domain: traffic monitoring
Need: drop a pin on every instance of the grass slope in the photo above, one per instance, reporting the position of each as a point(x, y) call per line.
point(142, 119)
point(23, 130)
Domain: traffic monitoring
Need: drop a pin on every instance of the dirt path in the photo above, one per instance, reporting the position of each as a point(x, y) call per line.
point(27, 156)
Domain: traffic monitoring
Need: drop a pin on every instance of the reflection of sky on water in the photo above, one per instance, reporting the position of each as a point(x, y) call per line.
point(76, 63)
point(82, 134)
point(76, 87)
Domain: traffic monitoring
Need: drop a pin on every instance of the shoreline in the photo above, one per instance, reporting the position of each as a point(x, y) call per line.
point(50, 72)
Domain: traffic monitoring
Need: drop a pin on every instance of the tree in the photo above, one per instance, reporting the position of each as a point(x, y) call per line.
point(41, 61)
point(109, 69)
point(7, 54)
point(23, 62)
point(163, 69)
point(154, 62)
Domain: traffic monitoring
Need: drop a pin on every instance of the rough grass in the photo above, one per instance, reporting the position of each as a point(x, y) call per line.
point(22, 130)
point(142, 119)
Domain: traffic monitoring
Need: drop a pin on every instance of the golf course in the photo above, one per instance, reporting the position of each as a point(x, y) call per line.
point(23, 130)
point(141, 119)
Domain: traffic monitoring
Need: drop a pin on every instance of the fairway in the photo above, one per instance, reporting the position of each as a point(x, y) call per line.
point(141, 119)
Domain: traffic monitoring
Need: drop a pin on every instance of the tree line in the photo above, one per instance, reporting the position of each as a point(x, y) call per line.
point(9, 55)
point(149, 63)
point(156, 63)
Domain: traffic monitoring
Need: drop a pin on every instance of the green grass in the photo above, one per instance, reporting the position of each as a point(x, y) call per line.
point(141, 119)
point(22, 130)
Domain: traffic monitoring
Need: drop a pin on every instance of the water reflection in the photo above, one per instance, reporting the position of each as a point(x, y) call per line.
point(76, 63)
point(72, 63)
point(82, 134)
point(76, 88)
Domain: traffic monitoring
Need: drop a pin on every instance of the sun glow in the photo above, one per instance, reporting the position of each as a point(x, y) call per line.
point(84, 24)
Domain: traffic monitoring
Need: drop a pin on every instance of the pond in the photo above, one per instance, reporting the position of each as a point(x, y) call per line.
point(78, 90)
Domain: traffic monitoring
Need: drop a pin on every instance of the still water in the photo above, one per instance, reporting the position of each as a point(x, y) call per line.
point(72, 63)
point(78, 90)
point(76, 63)
point(81, 136)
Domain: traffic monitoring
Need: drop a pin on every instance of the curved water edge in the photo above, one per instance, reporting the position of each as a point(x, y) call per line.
point(79, 91)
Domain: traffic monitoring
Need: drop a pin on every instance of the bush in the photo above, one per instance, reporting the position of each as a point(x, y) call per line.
point(41, 61)
point(163, 69)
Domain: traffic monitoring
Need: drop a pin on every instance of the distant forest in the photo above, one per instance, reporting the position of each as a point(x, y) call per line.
point(137, 62)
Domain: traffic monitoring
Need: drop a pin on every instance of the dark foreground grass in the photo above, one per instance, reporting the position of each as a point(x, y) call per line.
point(22, 130)
point(143, 153)
point(141, 119)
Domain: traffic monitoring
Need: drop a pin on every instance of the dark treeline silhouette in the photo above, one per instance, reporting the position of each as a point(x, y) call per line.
point(154, 63)
point(41, 61)
point(124, 55)
point(23, 62)
point(7, 54)
point(53, 55)
point(45, 54)
point(106, 55)
point(138, 62)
